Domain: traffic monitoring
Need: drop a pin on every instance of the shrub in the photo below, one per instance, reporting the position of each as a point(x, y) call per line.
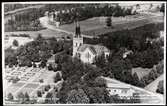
point(41, 81)
point(39, 93)
point(15, 43)
point(47, 87)
point(160, 88)
point(10, 96)
point(57, 77)
point(15, 80)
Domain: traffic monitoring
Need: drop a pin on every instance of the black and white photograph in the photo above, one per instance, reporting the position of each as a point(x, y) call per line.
point(94, 52)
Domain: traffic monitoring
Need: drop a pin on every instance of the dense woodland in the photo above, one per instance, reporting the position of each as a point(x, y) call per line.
point(89, 11)
point(82, 84)
point(144, 53)
point(25, 21)
point(29, 19)
point(38, 50)
point(11, 7)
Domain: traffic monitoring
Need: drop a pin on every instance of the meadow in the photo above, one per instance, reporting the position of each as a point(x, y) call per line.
point(97, 25)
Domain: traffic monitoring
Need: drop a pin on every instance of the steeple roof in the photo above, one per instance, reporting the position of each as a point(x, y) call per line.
point(77, 30)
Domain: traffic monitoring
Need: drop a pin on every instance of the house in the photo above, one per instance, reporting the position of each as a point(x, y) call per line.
point(123, 91)
point(86, 52)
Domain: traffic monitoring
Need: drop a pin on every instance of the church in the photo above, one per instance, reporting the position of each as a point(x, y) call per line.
point(86, 52)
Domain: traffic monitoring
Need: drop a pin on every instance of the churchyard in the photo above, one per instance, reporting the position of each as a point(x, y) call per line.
point(28, 80)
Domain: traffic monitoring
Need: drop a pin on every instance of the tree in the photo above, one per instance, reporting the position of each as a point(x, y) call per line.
point(77, 96)
point(97, 94)
point(160, 88)
point(100, 61)
point(57, 77)
point(39, 93)
point(10, 96)
point(49, 98)
point(151, 5)
point(162, 8)
point(20, 96)
point(109, 22)
point(138, 6)
point(47, 87)
point(135, 79)
point(39, 38)
point(91, 75)
point(160, 67)
point(100, 82)
point(11, 60)
point(41, 81)
point(121, 69)
point(50, 67)
point(15, 80)
point(27, 98)
point(43, 63)
point(15, 43)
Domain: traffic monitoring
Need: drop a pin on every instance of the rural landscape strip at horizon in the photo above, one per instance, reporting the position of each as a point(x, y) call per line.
point(84, 53)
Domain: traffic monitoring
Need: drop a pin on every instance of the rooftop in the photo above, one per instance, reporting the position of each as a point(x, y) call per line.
point(96, 49)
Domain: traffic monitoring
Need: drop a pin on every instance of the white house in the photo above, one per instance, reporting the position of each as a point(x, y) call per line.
point(123, 91)
point(86, 52)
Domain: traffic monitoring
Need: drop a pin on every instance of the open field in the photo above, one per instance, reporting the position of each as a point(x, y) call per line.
point(47, 33)
point(96, 25)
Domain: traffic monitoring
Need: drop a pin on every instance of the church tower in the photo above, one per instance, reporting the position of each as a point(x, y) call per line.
point(77, 40)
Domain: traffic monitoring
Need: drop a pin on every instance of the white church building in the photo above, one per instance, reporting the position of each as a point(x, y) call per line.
point(86, 52)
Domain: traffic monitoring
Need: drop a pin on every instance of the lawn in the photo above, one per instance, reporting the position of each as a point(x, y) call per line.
point(97, 25)
point(47, 33)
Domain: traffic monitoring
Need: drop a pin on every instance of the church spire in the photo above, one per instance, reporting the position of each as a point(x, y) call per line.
point(77, 30)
